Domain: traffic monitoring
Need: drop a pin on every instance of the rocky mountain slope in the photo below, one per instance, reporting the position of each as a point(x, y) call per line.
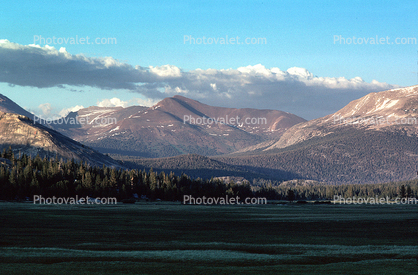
point(24, 136)
point(175, 126)
point(372, 139)
point(391, 110)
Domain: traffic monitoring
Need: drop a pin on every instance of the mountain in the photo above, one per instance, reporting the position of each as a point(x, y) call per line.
point(174, 126)
point(372, 139)
point(9, 106)
point(392, 110)
point(23, 135)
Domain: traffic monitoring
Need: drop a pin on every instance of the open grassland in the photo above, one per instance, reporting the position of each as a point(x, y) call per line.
point(164, 238)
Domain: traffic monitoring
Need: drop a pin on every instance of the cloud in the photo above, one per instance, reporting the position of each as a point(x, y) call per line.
point(143, 102)
point(46, 66)
point(116, 102)
point(46, 108)
point(166, 71)
point(113, 102)
point(66, 111)
point(46, 111)
point(294, 90)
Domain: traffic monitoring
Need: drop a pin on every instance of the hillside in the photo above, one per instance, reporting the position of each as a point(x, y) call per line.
point(346, 156)
point(175, 126)
point(195, 166)
point(372, 139)
point(24, 136)
point(391, 110)
point(349, 156)
point(364, 145)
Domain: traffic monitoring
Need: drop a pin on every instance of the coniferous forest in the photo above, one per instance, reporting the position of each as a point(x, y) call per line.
point(23, 177)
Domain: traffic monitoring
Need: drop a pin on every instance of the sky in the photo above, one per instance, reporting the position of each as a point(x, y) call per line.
point(309, 58)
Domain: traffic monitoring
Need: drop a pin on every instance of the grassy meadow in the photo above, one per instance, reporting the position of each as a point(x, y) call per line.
point(170, 238)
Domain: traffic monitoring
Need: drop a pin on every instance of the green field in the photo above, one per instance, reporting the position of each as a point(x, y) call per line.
point(164, 238)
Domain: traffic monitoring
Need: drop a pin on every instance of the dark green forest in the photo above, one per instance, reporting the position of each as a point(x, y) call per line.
point(23, 176)
point(403, 189)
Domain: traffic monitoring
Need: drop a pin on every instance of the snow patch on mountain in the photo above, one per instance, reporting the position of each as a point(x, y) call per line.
point(114, 129)
point(386, 104)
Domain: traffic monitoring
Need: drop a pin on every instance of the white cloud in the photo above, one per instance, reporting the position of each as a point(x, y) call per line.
point(116, 102)
point(46, 66)
point(300, 72)
point(166, 71)
point(46, 108)
point(143, 102)
point(255, 70)
point(113, 102)
point(64, 112)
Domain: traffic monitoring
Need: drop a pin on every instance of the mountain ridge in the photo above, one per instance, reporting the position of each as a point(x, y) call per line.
point(360, 143)
point(175, 126)
point(357, 151)
point(23, 135)
point(9, 106)
point(390, 110)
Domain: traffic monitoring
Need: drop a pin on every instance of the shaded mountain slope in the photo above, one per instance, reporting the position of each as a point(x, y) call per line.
point(346, 156)
point(204, 167)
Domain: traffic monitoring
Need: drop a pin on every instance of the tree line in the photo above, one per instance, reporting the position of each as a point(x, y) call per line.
point(392, 190)
point(24, 176)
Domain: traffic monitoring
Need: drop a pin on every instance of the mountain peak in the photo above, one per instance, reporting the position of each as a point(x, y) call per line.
point(9, 106)
point(23, 135)
point(178, 125)
point(389, 110)
point(391, 105)
point(410, 89)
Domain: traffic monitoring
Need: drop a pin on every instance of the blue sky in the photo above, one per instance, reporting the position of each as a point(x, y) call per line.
point(297, 34)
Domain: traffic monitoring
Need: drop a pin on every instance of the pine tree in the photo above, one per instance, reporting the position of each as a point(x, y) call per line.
point(87, 182)
point(290, 195)
point(409, 192)
point(402, 191)
point(113, 180)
